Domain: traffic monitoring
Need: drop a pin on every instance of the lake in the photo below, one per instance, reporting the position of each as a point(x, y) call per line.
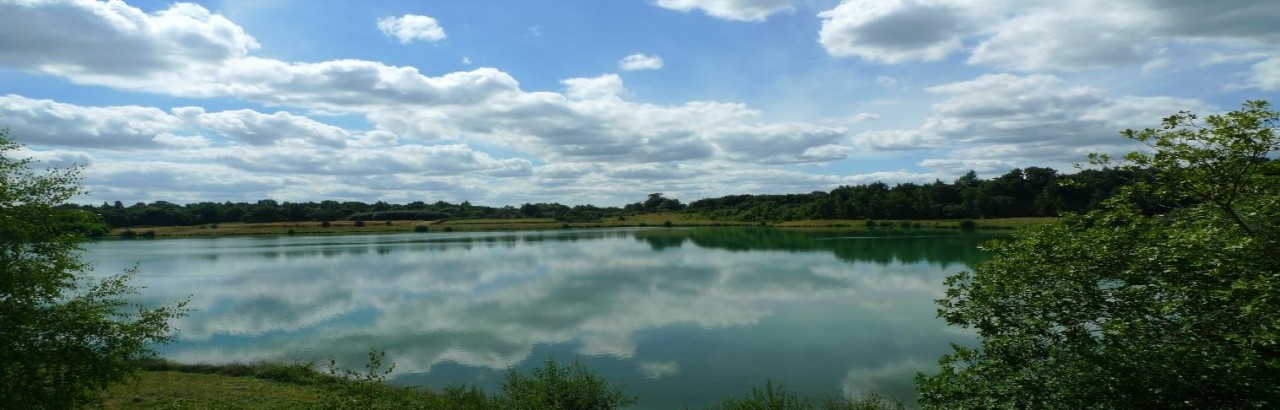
point(679, 316)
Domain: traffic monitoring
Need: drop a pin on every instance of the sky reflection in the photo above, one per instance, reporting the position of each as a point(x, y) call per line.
point(688, 314)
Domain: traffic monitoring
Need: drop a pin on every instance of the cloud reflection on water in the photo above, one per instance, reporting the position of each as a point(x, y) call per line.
point(488, 300)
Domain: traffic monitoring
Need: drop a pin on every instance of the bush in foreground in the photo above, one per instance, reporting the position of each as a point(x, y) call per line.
point(64, 335)
point(561, 387)
point(1168, 297)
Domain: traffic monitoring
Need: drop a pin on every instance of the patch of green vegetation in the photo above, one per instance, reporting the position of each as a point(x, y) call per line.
point(181, 390)
point(552, 386)
point(775, 397)
point(561, 387)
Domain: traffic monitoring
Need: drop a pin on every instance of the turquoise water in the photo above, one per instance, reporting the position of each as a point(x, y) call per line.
point(680, 316)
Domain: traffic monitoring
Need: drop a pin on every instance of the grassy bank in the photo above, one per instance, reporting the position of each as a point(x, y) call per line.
point(182, 390)
point(461, 225)
point(268, 385)
point(272, 385)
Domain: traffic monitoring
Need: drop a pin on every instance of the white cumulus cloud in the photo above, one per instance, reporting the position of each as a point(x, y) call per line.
point(1265, 75)
point(50, 123)
point(1070, 36)
point(608, 85)
point(1038, 36)
point(411, 27)
point(996, 120)
point(256, 128)
point(112, 38)
point(894, 31)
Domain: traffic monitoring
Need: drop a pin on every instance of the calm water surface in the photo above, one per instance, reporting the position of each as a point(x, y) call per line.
point(680, 316)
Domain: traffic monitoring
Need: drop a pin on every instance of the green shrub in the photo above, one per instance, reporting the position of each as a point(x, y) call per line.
point(149, 234)
point(128, 234)
point(325, 224)
point(421, 228)
point(448, 229)
point(968, 225)
point(360, 390)
point(775, 397)
point(359, 223)
point(460, 397)
point(300, 373)
point(770, 398)
point(561, 387)
point(292, 232)
point(551, 387)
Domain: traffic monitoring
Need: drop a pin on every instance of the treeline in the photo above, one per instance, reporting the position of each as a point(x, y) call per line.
point(1032, 191)
point(162, 213)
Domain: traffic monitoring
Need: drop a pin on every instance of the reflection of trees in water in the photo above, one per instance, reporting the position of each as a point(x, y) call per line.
point(417, 243)
point(882, 247)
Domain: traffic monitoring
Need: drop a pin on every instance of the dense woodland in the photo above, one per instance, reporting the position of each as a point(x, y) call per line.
point(1031, 191)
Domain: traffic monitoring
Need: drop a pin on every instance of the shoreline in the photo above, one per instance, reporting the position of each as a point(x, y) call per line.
point(523, 224)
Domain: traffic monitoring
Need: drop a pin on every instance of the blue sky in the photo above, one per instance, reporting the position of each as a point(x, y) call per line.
point(505, 102)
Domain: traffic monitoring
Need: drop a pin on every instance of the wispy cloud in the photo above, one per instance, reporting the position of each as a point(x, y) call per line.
point(640, 62)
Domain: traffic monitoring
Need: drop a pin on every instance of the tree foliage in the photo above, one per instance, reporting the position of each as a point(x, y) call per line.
point(63, 335)
point(1020, 192)
point(1033, 191)
point(1123, 307)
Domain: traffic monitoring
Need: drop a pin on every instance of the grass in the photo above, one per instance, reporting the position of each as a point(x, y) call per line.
point(457, 225)
point(272, 385)
point(267, 385)
point(181, 390)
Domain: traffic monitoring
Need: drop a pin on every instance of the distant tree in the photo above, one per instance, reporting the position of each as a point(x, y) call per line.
point(63, 335)
point(1132, 305)
point(529, 210)
point(266, 210)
